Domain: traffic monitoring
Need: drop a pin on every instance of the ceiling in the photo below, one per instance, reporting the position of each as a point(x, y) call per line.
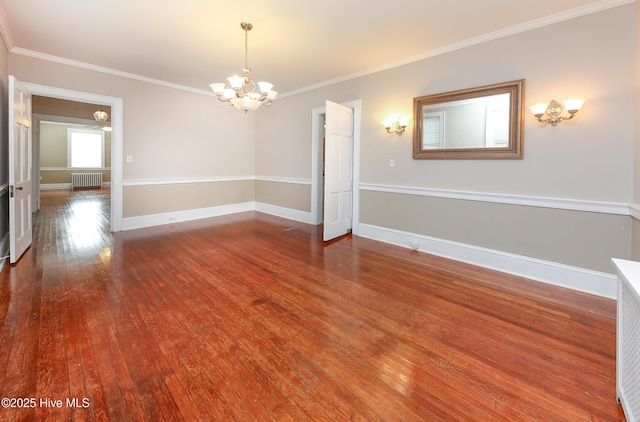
point(294, 44)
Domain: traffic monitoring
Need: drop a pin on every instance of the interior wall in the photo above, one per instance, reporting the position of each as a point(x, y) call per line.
point(171, 136)
point(587, 159)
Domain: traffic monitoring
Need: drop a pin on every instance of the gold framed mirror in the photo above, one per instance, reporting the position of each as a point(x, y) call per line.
point(484, 122)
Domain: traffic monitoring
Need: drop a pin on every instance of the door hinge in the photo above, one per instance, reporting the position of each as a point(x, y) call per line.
point(11, 191)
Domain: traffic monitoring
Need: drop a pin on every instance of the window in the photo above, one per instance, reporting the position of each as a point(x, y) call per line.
point(433, 130)
point(85, 148)
point(497, 121)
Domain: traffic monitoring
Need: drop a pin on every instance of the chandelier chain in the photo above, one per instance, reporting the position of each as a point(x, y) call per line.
point(246, 48)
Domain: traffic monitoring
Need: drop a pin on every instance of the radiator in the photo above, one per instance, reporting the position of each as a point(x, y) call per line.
point(86, 180)
point(628, 338)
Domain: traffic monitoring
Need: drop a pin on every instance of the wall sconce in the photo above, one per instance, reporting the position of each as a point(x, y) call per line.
point(554, 109)
point(396, 125)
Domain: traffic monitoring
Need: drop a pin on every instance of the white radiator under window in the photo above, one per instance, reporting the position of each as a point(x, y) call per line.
point(86, 180)
point(628, 338)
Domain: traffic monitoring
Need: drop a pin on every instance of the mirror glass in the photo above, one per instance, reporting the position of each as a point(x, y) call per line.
point(481, 122)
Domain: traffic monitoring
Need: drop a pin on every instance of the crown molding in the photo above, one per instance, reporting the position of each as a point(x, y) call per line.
point(512, 30)
point(106, 70)
point(5, 32)
point(491, 36)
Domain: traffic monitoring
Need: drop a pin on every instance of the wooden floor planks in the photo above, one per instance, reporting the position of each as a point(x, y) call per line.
point(252, 317)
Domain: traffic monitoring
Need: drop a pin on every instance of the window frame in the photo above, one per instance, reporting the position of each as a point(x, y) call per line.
point(70, 132)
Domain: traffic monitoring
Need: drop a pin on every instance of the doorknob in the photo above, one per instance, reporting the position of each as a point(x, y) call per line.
point(12, 191)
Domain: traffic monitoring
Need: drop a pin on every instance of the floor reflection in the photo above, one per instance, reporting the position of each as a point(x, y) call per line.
point(79, 222)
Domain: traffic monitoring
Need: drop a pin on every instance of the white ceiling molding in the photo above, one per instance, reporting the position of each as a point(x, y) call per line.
point(5, 31)
point(516, 29)
point(109, 71)
point(537, 23)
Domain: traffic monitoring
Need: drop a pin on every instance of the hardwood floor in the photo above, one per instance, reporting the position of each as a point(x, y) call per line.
point(251, 317)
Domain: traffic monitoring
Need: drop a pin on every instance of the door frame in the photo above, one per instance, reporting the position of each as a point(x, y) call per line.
point(316, 163)
point(117, 148)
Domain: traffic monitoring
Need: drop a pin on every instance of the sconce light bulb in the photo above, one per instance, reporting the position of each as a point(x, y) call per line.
point(395, 125)
point(573, 105)
point(538, 109)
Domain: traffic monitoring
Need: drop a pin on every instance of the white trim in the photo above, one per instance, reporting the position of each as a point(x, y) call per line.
point(316, 171)
point(153, 182)
point(580, 279)
point(502, 33)
point(5, 31)
point(532, 201)
point(512, 30)
point(288, 213)
point(56, 186)
point(106, 70)
point(131, 223)
point(75, 169)
point(283, 180)
point(117, 136)
point(66, 186)
point(634, 211)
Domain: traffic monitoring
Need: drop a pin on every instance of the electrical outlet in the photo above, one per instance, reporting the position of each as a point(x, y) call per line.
point(392, 163)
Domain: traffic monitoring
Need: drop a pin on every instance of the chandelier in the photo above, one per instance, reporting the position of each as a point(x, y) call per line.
point(245, 94)
point(101, 117)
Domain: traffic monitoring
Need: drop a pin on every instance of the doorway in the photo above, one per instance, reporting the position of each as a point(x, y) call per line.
point(117, 114)
point(317, 163)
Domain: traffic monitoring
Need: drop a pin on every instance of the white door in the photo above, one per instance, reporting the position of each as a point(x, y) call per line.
point(20, 162)
point(338, 189)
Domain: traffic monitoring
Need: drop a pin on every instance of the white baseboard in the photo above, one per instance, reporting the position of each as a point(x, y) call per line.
point(131, 223)
point(302, 216)
point(581, 279)
point(56, 186)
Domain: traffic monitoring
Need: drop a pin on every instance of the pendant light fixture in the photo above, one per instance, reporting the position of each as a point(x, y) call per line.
point(245, 94)
point(101, 117)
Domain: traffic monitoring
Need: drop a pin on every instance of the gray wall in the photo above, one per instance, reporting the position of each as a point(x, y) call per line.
point(587, 159)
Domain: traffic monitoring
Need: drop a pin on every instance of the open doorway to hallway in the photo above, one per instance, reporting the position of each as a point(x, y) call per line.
point(68, 140)
point(71, 148)
point(116, 119)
